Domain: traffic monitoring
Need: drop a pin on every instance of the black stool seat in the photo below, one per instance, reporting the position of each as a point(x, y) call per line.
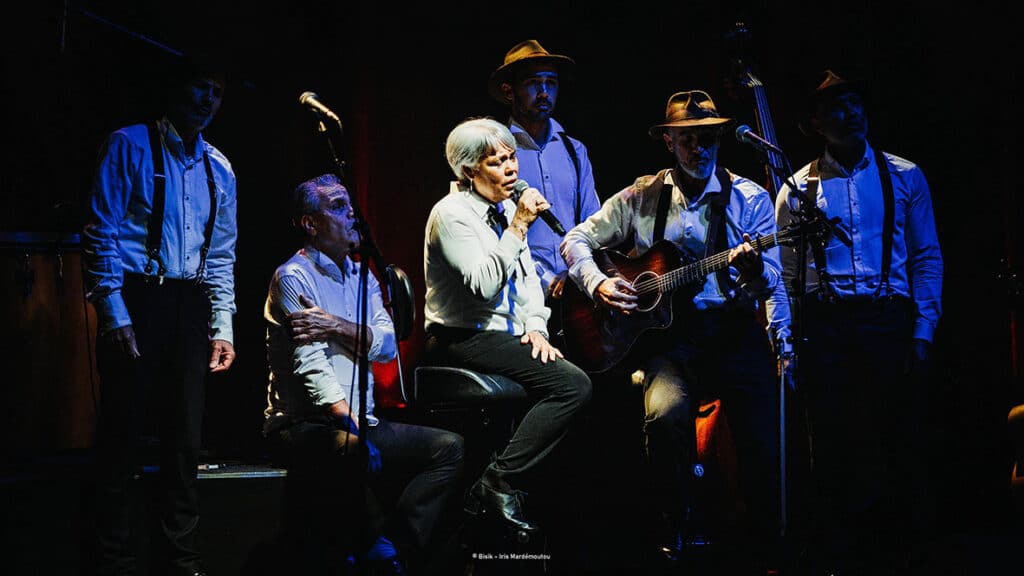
point(451, 387)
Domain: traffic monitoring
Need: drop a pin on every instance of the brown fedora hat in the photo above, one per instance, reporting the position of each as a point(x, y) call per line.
point(831, 86)
point(691, 108)
point(527, 51)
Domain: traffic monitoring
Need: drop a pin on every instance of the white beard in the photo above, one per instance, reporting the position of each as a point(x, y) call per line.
point(703, 171)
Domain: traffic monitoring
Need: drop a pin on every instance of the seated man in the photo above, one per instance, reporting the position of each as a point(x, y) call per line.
point(714, 344)
point(313, 339)
point(485, 307)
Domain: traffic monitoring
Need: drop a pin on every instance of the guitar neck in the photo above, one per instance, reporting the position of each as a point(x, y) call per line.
point(701, 269)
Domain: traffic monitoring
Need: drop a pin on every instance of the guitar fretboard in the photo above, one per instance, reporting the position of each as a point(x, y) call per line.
point(698, 270)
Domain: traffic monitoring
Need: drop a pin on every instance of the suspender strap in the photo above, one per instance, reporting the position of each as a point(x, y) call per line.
point(888, 227)
point(579, 177)
point(208, 233)
point(717, 240)
point(154, 235)
point(817, 248)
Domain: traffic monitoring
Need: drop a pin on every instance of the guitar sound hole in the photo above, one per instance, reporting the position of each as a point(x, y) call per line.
point(648, 296)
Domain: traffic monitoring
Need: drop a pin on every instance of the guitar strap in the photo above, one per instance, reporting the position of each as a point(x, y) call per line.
point(888, 224)
point(716, 237)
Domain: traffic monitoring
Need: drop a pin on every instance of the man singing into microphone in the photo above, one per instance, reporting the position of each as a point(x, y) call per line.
point(485, 308)
point(714, 345)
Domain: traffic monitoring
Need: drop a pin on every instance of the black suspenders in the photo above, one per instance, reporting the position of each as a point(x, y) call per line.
point(579, 177)
point(154, 236)
point(888, 224)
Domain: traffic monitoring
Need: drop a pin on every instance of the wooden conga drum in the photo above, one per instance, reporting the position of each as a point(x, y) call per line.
point(47, 345)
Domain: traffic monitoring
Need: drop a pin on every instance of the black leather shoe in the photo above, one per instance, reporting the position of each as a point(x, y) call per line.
point(507, 505)
point(671, 541)
point(671, 548)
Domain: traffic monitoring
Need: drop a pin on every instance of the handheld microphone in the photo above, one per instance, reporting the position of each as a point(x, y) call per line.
point(548, 218)
point(312, 101)
point(747, 136)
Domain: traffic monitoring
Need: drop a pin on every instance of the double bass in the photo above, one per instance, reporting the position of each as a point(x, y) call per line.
point(743, 78)
point(741, 82)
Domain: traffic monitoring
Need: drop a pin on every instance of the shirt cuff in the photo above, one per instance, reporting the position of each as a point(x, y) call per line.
point(220, 326)
point(112, 312)
point(758, 288)
point(924, 330)
point(536, 325)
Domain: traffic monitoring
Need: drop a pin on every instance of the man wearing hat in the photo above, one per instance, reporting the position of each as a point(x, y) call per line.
point(558, 166)
point(714, 344)
point(159, 246)
point(873, 300)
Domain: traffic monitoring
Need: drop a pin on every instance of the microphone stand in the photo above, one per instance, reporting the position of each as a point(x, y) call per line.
point(810, 216)
point(367, 252)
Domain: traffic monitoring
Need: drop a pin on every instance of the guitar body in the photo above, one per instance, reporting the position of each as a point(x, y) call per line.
point(598, 338)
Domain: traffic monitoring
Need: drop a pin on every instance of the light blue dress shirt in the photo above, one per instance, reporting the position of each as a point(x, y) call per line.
point(114, 238)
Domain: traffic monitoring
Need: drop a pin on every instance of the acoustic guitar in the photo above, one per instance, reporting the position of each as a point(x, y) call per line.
point(597, 338)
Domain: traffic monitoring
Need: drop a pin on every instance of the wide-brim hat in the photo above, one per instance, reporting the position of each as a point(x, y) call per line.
point(831, 86)
point(689, 109)
point(526, 52)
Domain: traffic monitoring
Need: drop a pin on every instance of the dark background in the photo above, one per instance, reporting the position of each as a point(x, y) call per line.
point(943, 93)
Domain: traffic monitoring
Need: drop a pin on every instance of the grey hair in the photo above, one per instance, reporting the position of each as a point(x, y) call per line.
point(472, 140)
point(306, 196)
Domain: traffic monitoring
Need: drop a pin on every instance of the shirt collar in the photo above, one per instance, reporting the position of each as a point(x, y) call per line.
point(713, 186)
point(524, 139)
point(831, 165)
point(327, 266)
point(175, 143)
point(476, 202)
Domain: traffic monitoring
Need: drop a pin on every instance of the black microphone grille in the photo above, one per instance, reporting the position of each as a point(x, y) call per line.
point(741, 132)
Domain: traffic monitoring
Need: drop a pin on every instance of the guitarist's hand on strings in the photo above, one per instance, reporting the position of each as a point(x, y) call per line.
point(616, 293)
point(541, 347)
point(746, 259)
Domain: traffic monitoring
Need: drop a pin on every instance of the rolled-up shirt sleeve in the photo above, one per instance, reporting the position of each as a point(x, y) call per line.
point(609, 226)
point(311, 363)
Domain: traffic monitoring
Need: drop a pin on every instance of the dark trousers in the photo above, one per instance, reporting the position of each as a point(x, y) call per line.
point(407, 501)
point(557, 390)
point(863, 413)
point(726, 355)
point(159, 395)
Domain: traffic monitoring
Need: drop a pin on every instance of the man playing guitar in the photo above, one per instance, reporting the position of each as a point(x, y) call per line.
point(705, 338)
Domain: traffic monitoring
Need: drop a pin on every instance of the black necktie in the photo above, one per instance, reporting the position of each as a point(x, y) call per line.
point(496, 218)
